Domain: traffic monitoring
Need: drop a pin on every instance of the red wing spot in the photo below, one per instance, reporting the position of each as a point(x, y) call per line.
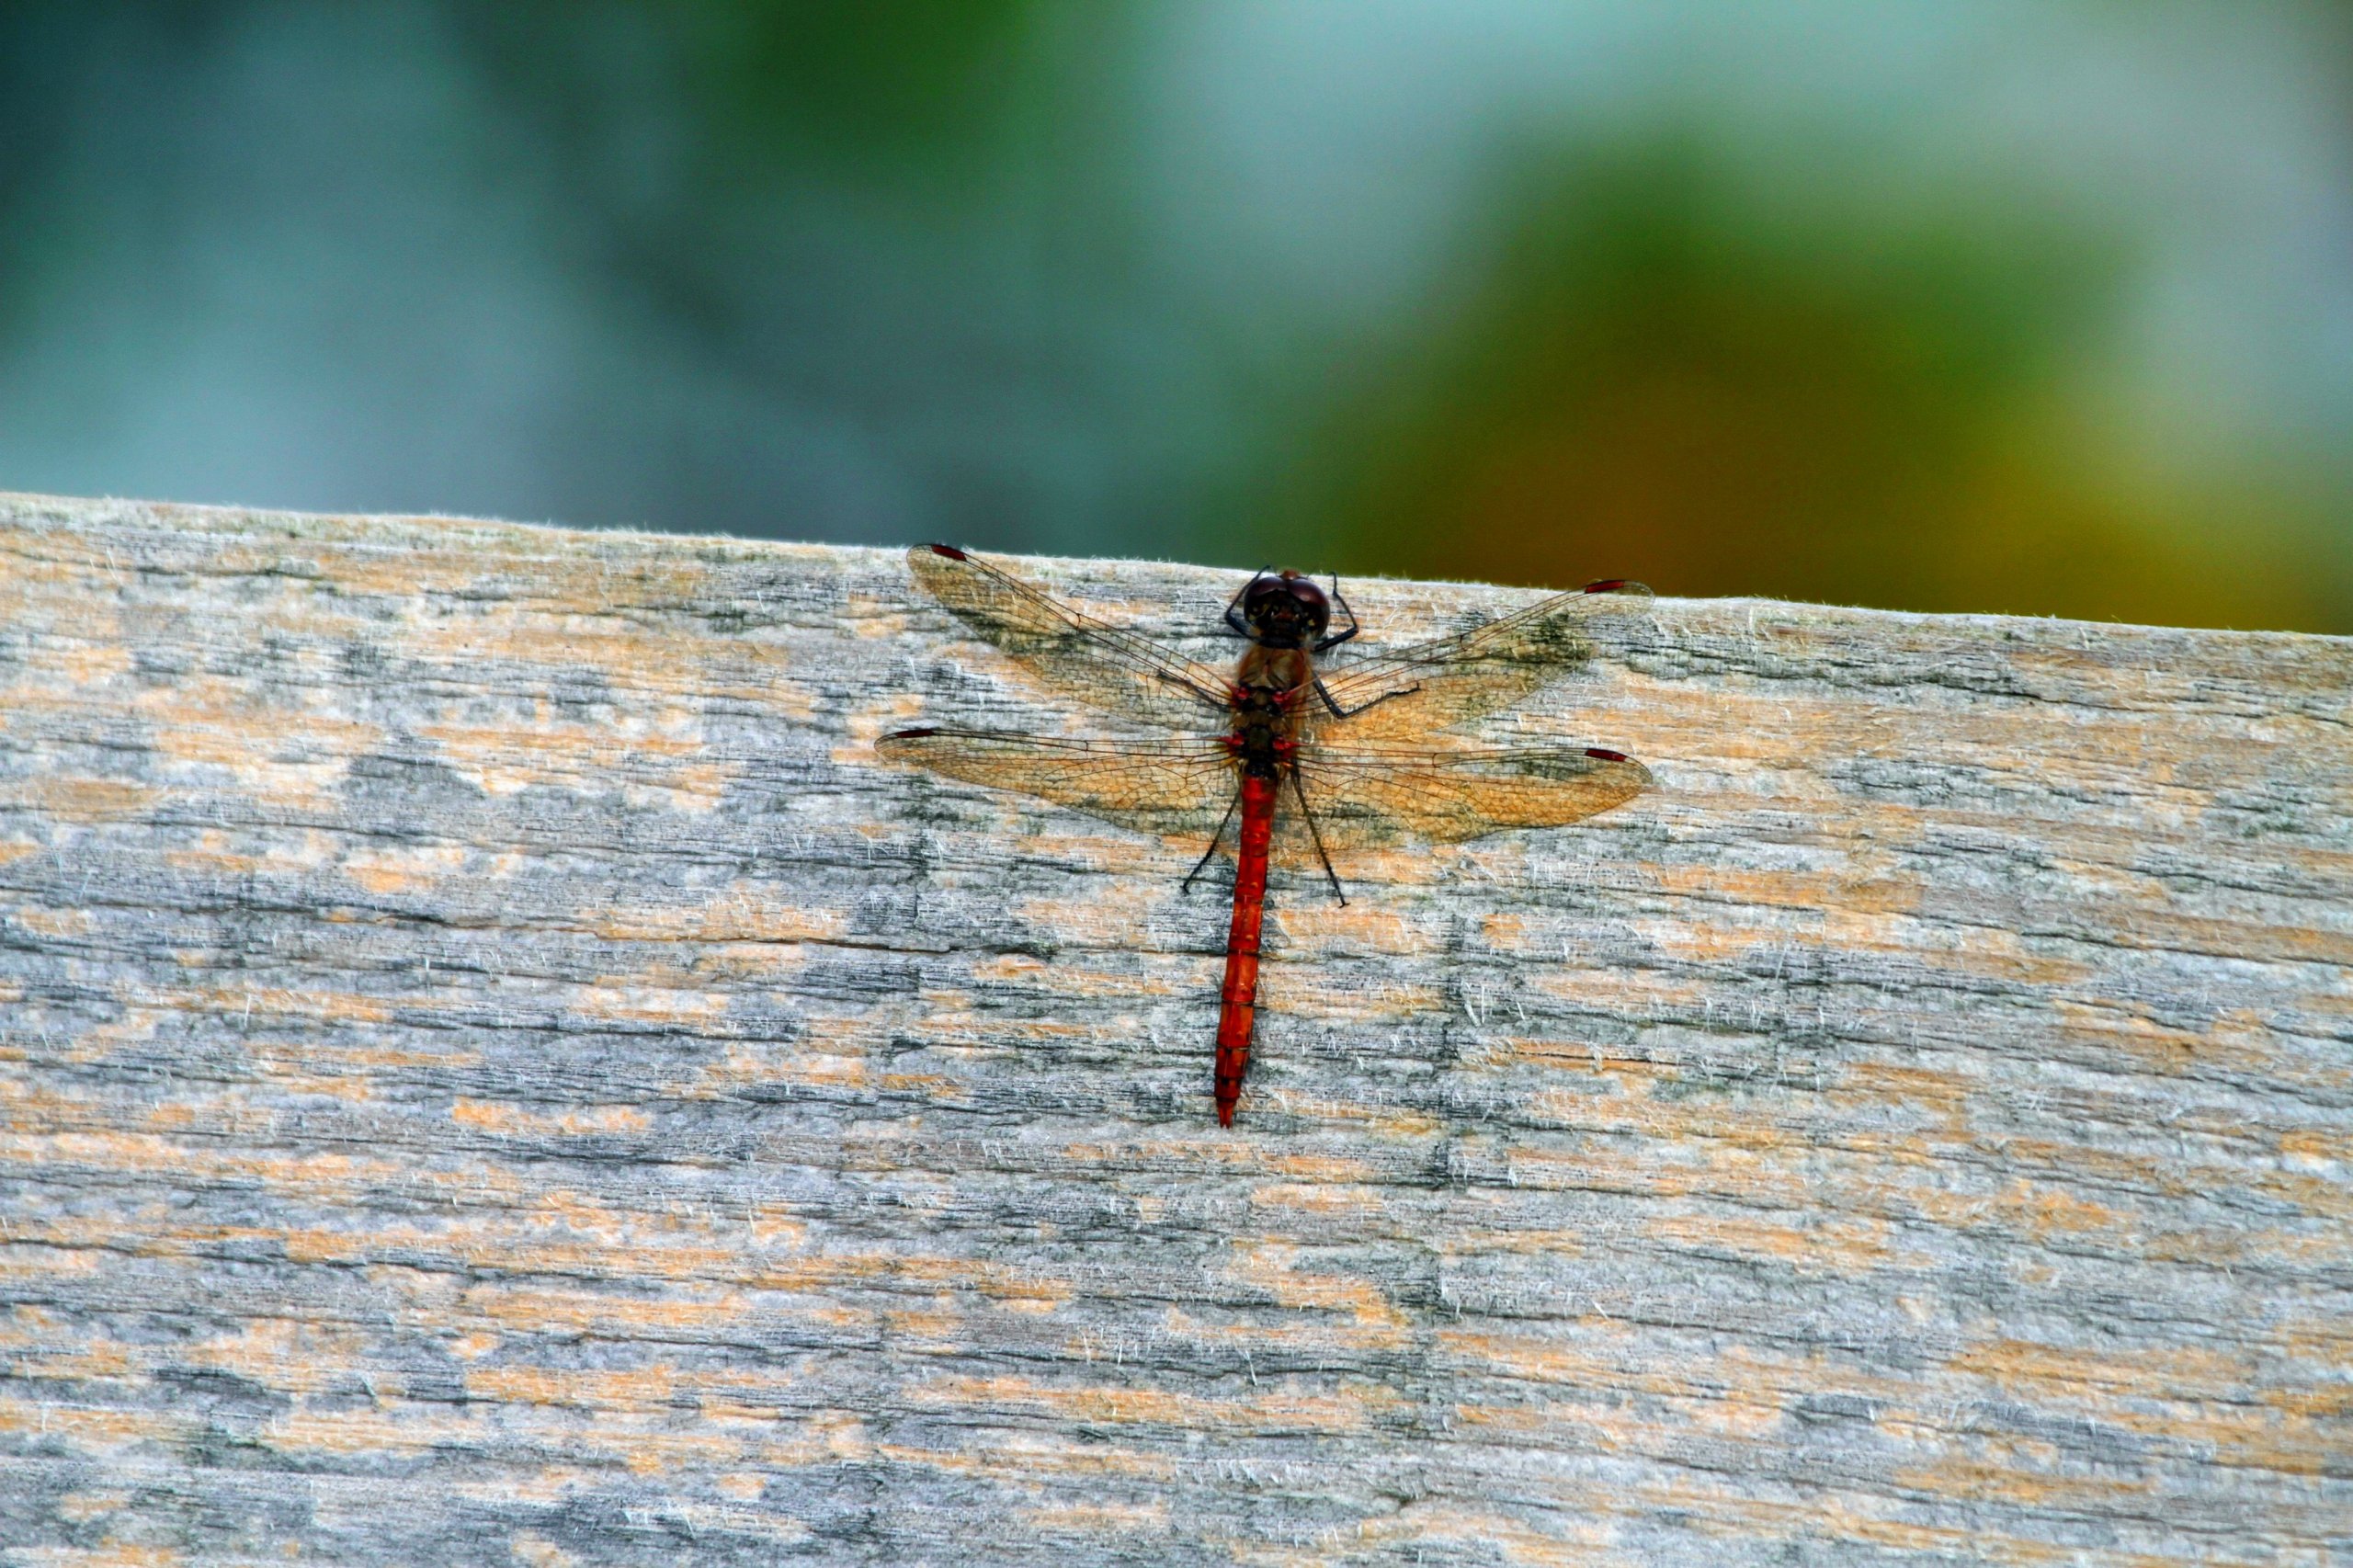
point(1608, 755)
point(948, 550)
point(909, 734)
point(1607, 586)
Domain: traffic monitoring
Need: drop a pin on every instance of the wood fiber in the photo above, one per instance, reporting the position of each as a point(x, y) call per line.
point(494, 1071)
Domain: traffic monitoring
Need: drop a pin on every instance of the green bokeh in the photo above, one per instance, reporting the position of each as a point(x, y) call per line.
point(1733, 385)
point(1772, 305)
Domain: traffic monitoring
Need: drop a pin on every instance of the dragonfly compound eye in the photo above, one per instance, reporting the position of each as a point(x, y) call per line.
point(1285, 608)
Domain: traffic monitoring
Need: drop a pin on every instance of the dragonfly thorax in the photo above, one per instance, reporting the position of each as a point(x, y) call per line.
point(1261, 738)
point(1275, 671)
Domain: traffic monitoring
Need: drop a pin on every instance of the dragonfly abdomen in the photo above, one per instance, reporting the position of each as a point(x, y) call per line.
point(1238, 998)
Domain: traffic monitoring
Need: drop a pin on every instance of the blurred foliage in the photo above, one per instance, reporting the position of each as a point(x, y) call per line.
point(743, 88)
point(1803, 390)
point(892, 76)
point(1028, 273)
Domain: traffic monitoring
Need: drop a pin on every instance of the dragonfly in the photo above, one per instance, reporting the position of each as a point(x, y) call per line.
point(1290, 755)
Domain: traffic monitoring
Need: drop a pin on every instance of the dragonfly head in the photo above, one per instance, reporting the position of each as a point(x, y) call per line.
point(1284, 610)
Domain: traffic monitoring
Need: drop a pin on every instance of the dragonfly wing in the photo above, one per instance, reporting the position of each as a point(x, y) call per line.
point(1449, 680)
point(1375, 798)
point(1125, 673)
point(1177, 789)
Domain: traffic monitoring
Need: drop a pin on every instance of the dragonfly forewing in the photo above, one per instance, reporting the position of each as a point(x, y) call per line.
point(1405, 694)
point(1123, 672)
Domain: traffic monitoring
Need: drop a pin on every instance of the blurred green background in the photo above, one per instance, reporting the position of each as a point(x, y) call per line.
point(2038, 307)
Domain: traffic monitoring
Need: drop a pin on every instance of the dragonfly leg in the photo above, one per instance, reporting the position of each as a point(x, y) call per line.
point(1215, 839)
point(1213, 699)
point(1328, 643)
point(1317, 834)
point(1339, 712)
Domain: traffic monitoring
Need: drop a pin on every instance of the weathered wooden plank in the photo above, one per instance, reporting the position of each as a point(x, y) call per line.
point(493, 1072)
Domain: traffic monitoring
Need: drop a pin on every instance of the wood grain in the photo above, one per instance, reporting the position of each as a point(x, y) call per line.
point(493, 1072)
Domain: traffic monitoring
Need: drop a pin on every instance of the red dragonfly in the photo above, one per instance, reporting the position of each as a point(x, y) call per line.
point(1351, 745)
